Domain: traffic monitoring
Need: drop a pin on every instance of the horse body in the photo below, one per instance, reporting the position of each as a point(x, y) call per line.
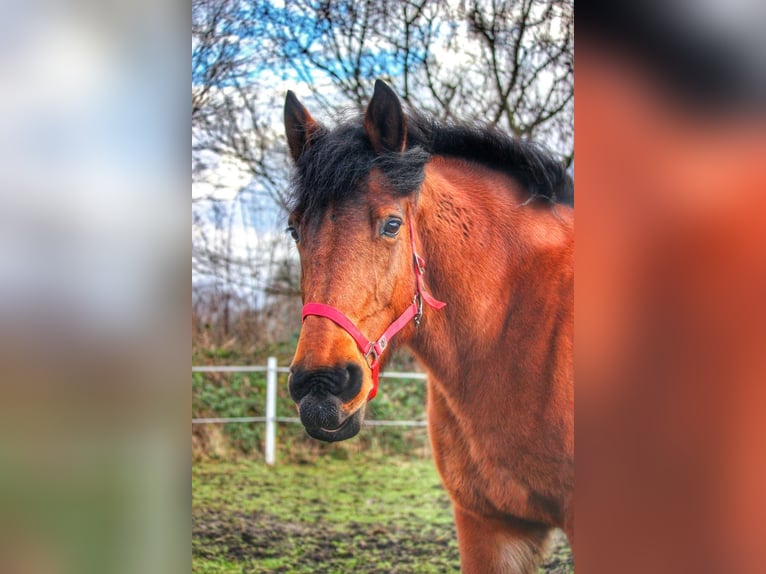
point(499, 355)
point(500, 396)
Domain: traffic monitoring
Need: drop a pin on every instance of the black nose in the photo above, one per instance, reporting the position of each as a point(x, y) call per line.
point(320, 395)
point(342, 382)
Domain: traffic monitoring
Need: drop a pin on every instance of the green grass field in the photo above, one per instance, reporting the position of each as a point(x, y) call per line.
point(360, 515)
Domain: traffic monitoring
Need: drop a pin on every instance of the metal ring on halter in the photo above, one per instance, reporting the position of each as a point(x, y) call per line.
point(419, 263)
point(418, 300)
point(371, 352)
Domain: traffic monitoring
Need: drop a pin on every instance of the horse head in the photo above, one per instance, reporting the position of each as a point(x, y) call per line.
point(355, 190)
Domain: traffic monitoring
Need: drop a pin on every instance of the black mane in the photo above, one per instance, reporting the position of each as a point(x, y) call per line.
point(336, 162)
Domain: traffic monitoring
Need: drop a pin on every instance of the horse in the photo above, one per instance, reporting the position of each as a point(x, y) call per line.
point(456, 241)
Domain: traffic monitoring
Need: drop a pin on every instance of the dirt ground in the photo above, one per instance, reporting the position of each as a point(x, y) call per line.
point(315, 518)
point(251, 539)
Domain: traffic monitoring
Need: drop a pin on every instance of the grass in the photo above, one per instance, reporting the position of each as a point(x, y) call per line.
point(360, 515)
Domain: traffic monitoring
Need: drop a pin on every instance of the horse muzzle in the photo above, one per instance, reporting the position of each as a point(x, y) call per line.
point(321, 394)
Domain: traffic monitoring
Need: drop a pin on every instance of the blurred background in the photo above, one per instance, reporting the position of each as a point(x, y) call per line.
point(94, 292)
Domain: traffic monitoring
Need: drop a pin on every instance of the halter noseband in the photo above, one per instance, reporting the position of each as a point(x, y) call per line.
point(372, 350)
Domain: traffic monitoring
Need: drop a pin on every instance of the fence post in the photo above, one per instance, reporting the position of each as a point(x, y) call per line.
point(271, 408)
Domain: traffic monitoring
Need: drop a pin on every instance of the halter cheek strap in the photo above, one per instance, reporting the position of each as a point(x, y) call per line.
point(372, 350)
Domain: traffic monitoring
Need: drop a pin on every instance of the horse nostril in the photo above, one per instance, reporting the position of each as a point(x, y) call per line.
point(298, 383)
point(344, 382)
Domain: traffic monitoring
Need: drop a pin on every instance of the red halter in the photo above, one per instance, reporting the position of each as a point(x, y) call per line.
point(372, 350)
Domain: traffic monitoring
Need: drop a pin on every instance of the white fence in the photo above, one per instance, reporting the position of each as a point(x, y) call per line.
point(271, 419)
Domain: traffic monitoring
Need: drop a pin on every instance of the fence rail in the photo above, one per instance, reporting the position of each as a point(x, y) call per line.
point(272, 370)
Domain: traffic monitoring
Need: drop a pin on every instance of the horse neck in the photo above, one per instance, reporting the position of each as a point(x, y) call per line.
point(503, 268)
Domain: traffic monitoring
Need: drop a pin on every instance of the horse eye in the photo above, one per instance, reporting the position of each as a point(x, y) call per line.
point(293, 233)
point(391, 227)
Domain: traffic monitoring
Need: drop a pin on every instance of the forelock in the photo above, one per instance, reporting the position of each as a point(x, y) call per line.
point(334, 169)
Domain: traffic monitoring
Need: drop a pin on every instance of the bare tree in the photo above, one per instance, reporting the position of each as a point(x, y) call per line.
point(527, 51)
point(232, 47)
point(508, 63)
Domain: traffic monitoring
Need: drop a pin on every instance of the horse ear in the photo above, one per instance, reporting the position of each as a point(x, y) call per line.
point(384, 120)
point(299, 125)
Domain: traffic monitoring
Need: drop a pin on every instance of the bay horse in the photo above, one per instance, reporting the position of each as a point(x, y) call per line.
point(457, 241)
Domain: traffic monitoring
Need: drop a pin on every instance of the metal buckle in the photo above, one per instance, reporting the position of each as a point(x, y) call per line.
point(418, 300)
point(371, 353)
point(419, 264)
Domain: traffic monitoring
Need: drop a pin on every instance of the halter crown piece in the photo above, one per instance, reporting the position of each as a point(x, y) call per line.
point(372, 350)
